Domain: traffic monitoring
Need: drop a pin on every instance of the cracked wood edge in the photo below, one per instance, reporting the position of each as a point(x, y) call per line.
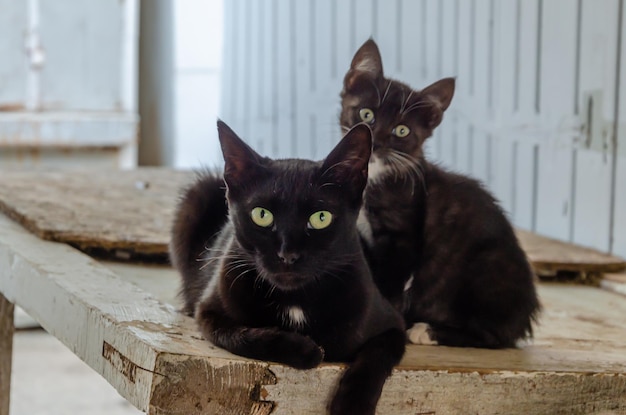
point(148, 351)
point(443, 392)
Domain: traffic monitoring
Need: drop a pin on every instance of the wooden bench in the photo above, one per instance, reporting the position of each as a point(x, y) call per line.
point(122, 319)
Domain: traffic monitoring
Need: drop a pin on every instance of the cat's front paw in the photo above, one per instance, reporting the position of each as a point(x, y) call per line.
point(421, 333)
point(293, 349)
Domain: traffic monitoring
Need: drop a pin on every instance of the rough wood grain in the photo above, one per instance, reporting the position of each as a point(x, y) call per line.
point(136, 342)
point(615, 283)
point(6, 352)
point(550, 256)
point(121, 213)
point(127, 214)
point(154, 357)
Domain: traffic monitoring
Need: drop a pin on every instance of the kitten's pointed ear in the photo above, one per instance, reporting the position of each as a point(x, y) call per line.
point(241, 162)
point(438, 95)
point(346, 165)
point(366, 62)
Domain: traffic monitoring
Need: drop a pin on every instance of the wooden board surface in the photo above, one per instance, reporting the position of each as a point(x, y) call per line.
point(550, 256)
point(155, 358)
point(123, 213)
point(127, 214)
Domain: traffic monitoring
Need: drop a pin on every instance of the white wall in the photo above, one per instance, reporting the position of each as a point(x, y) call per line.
point(68, 81)
point(198, 44)
point(539, 109)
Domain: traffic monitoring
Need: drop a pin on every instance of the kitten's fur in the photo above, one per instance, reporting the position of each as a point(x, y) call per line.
point(439, 246)
point(288, 292)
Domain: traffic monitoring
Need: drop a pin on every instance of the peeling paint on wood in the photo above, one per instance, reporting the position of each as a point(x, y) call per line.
point(203, 386)
point(125, 366)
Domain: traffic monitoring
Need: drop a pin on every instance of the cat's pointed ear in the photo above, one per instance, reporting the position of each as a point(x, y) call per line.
point(241, 162)
point(346, 165)
point(365, 63)
point(438, 95)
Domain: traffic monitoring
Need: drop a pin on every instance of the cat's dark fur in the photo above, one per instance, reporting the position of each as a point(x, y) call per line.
point(284, 290)
point(440, 247)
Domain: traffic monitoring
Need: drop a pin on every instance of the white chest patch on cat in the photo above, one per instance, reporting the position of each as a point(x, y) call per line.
point(408, 284)
point(294, 317)
point(365, 228)
point(376, 169)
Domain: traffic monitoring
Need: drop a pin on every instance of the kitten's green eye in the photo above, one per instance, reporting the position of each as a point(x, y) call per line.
point(320, 220)
point(262, 217)
point(366, 115)
point(401, 131)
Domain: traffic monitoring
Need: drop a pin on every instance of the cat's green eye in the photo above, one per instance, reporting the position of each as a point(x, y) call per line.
point(401, 131)
point(262, 217)
point(320, 220)
point(366, 115)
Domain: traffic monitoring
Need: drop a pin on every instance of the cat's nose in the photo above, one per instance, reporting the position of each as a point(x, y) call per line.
point(288, 257)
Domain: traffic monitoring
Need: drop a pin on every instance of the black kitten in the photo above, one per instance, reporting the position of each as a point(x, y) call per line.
point(284, 278)
point(440, 248)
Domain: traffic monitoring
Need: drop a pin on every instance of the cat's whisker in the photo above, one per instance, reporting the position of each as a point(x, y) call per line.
point(405, 102)
point(215, 258)
point(386, 92)
point(239, 276)
point(419, 104)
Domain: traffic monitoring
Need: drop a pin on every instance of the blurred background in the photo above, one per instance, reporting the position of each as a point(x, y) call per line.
point(539, 112)
point(537, 116)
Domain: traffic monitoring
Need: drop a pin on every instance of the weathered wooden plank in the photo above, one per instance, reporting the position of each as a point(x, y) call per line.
point(550, 255)
point(6, 352)
point(127, 212)
point(121, 331)
point(134, 216)
point(154, 357)
point(614, 282)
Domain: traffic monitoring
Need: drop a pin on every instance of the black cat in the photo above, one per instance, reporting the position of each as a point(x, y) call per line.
point(284, 277)
point(440, 248)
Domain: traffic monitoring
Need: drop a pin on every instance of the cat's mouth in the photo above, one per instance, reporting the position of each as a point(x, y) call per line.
point(286, 281)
